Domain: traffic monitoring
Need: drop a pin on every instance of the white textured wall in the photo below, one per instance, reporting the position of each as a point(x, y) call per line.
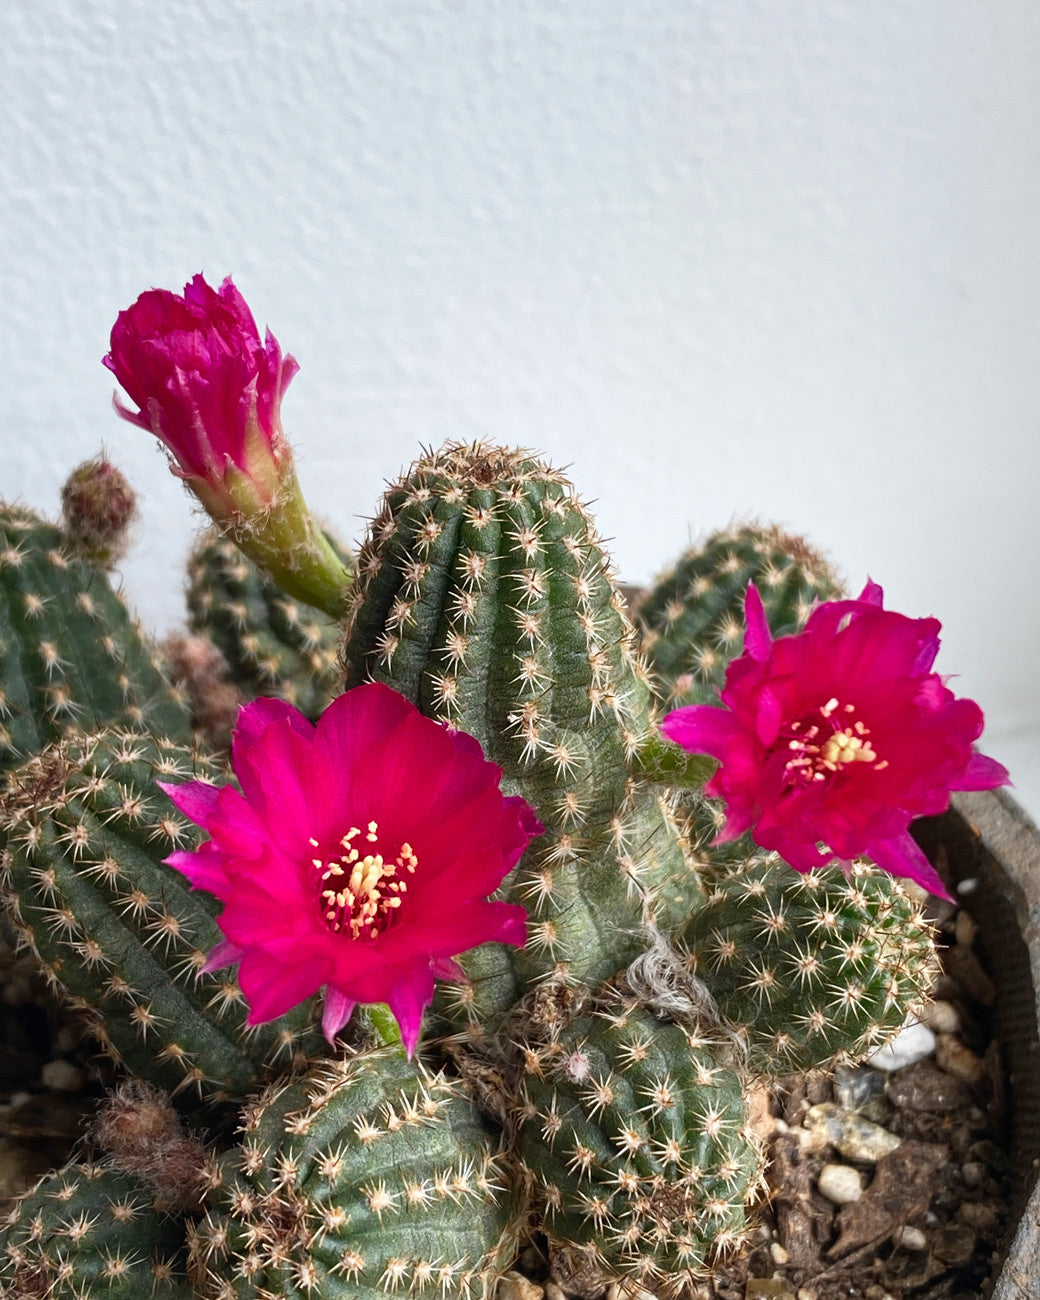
point(720, 256)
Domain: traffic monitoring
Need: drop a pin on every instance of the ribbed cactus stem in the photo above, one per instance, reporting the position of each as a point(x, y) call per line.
point(484, 595)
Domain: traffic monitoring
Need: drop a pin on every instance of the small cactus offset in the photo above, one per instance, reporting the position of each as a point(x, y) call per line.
point(370, 1177)
point(691, 620)
point(273, 644)
point(634, 1138)
point(71, 656)
point(88, 1232)
point(812, 970)
point(610, 919)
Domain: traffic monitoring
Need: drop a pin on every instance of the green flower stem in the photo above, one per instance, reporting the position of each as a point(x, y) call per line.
point(286, 542)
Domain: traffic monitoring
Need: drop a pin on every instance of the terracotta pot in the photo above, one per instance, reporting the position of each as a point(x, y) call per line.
point(987, 838)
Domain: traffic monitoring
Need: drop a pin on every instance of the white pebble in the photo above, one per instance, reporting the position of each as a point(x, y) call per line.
point(779, 1254)
point(910, 1238)
point(514, 1286)
point(840, 1184)
point(913, 1043)
point(942, 1017)
point(968, 886)
point(62, 1076)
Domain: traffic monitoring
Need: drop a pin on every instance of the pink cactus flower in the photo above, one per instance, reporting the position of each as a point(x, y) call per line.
point(359, 856)
point(204, 382)
point(833, 740)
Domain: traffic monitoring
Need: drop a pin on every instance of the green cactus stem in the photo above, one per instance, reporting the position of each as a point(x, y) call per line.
point(634, 1139)
point(484, 596)
point(812, 969)
point(691, 620)
point(370, 1178)
point(86, 1232)
point(71, 656)
point(122, 936)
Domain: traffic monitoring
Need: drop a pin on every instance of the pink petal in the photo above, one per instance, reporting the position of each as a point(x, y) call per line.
point(408, 999)
point(701, 729)
point(903, 856)
point(982, 773)
point(272, 989)
point(224, 954)
point(205, 868)
point(337, 1011)
point(757, 638)
point(872, 594)
point(197, 800)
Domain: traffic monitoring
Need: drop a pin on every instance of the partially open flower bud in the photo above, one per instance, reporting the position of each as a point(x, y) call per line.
point(98, 506)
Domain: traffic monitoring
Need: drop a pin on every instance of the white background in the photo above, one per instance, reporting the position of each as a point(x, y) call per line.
point(721, 257)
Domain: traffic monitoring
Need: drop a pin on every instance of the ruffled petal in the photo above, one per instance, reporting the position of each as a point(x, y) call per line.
point(903, 856)
point(701, 729)
point(758, 640)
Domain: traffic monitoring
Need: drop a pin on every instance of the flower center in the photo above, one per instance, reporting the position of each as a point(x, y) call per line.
point(825, 741)
point(362, 889)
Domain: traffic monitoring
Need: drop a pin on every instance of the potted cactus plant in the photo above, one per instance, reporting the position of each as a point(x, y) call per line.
point(459, 950)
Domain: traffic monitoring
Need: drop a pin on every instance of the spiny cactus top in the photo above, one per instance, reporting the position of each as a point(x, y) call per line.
point(841, 734)
point(71, 656)
point(690, 619)
point(810, 969)
point(370, 1178)
point(358, 856)
point(483, 594)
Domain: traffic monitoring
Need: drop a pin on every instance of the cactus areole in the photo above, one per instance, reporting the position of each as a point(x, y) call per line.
point(358, 856)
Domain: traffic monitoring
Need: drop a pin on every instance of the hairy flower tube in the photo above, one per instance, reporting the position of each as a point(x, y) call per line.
point(358, 856)
point(210, 390)
point(831, 741)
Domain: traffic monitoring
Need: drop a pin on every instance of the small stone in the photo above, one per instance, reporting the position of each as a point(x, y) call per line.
point(952, 1056)
point(988, 1151)
point(964, 928)
point(840, 1184)
point(761, 1119)
point(805, 1294)
point(954, 1244)
point(62, 1076)
point(973, 1173)
point(924, 1088)
point(861, 1090)
point(909, 1238)
point(855, 1138)
point(913, 1043)
point(942, 1017)
point(553, 1292)
point(978, 1215)
point(767, 1288)
point(514, 1286)
point(961, 963)
point(779, 1255)
point(968, 885)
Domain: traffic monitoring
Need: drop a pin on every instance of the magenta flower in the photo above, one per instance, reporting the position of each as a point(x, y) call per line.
point(204, 382)
point(358, 856)
point(840, 735)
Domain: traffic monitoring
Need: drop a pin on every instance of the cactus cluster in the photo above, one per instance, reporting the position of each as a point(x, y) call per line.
point(588, 1090)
